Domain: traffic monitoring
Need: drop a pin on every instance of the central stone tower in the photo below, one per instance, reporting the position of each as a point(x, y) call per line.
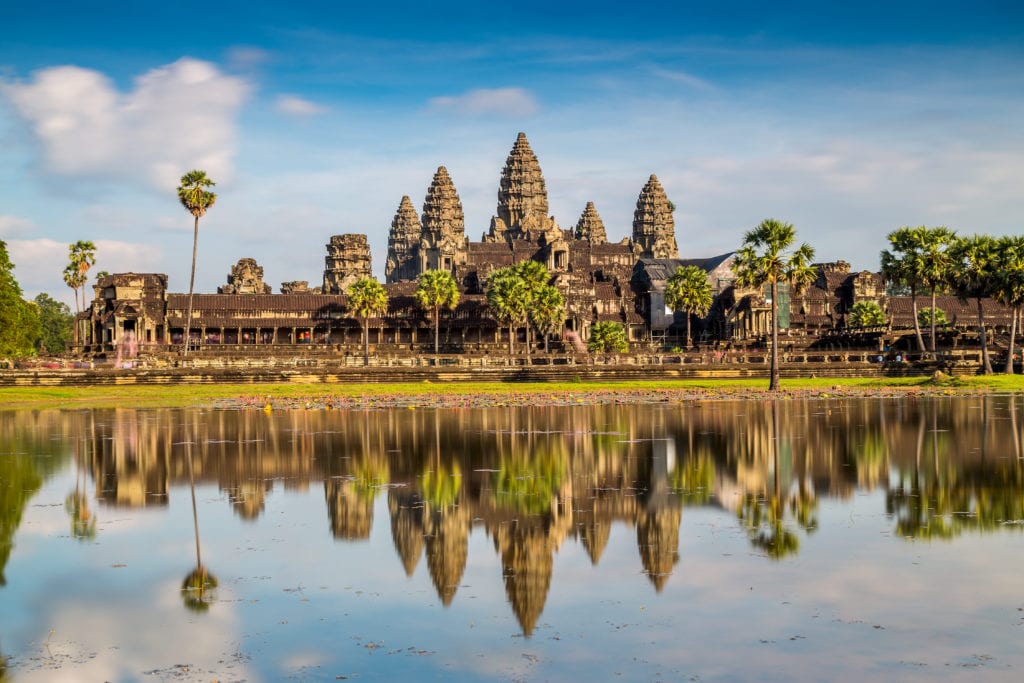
point(654, 229)
point(522, 199)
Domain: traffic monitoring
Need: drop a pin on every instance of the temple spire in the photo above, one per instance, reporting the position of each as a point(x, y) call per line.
point(654, 229)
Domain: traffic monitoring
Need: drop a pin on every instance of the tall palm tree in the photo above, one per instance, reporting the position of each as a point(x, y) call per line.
point(197, 590)
point(1009, 283)
point(935, 264)
point(547, 312)
point(765, 259)
point(535, 277)
point(366, 299)
point(688, 291)
point(973, 275)
point(81, 257)
point(901, 267)
point(507, 298)
point(436, 289)
point(197, 200)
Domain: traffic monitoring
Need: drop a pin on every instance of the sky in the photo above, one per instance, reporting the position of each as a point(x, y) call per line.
point(847, 120)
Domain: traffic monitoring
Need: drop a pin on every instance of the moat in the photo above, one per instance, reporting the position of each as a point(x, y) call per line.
point(825, 539)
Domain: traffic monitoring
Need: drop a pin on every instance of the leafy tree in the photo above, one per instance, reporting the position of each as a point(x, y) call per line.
point(935, 264)
point(535, 278)
point(688, 291)
point(436, 289)
point(547, 312)
point(973, 275)
point(19, 319)
point(197, 200)
point(765, 259)
point(55, 321)
point(607, 336)
point(366, 299)
point(81, 257)
point(901, 267)
point(1009, 284)
point(866, 314)
point(925, 317)
point(507, 298)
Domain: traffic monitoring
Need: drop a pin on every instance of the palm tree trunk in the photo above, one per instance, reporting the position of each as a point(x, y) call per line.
point(191, 285)
point(986, 366)
point(917, 323)
point(366, 341)
point(192, 486)
point(934, 316)
point(773, 381)
point(1009, 351)
point(511, 331)
point(437, 329)
point(687, 330)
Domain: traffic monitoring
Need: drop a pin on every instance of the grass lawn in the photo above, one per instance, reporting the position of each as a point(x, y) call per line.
point(161, 395)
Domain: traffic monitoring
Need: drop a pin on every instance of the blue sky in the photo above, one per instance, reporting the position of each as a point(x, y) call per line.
point(315, 119)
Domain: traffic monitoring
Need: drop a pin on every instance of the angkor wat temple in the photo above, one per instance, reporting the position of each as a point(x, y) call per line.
point(600, 280)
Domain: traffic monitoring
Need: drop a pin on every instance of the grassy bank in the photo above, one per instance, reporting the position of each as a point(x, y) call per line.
point(479, 392)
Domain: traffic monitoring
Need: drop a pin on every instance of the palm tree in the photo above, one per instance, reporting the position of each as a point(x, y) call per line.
point(507, 299)
point(973, 275)
point(547, 312)
point(688, 291)
point(436, 289)
point(197, 590)
point(764, 259)
point(535, 277)
point(366, 299)
point(1009, 289)
point(81, 257)
point(197, 200)
point(901, 267)
point(935, 263)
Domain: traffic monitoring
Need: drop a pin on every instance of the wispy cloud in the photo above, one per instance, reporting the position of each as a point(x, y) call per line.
point(14, 226)
point(297, 106)
point(679, 76)
point(177, 117)
point(509, 102)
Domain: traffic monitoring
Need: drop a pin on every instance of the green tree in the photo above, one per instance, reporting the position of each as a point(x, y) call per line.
point(197, 200)
point(935, 264)
point(19, 319)
point(1009, 285)
point(507, 299)
point(901, 267)
point(81, 257)
point(55, 321)
point(765, 259)
point(366, 299)
point(925, 317)
point(436, 289)
point(535, 278)
point(607, 336)
point(688, 291)
point(547, 312)
point(866, 314)
point(973, 276)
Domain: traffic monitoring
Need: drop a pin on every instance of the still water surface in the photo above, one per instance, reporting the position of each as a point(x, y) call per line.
point(801, 540)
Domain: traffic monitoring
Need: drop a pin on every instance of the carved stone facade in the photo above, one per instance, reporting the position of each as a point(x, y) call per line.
point(443, 242)
point(295, 287)
point(246, 277)
point(347, 260)
point(654, 229)
point(403, 243)
point(590, 227)
point(522, 199)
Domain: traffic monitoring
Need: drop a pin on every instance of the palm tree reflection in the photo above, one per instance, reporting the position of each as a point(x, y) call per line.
point(198, 590)
point(83, 521)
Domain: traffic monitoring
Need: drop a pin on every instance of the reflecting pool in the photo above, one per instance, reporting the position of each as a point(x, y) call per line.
point(827, 539)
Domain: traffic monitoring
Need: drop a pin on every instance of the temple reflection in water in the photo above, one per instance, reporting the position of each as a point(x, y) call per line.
point(531, 478)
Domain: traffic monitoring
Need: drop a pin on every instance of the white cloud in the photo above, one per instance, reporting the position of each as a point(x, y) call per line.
point(177, 117)
point(511, 102)
point(296, 106)
point(12, 226)
point(682, 77)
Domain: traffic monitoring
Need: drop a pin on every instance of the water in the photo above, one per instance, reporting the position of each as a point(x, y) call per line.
point(804, 540)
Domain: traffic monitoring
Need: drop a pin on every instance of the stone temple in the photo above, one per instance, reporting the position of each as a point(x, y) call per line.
point(600, 280)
